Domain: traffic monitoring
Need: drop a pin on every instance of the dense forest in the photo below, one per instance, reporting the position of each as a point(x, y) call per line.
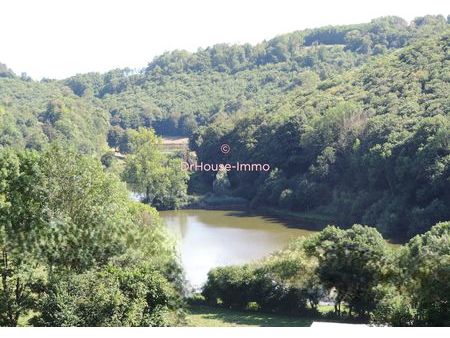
point(353, 120)
point(370, 145)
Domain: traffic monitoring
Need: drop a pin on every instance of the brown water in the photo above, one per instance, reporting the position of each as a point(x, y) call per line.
point(211, 238)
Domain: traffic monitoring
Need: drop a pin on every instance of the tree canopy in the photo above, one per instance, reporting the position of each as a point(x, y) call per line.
point(65, 224)
point(369, 146)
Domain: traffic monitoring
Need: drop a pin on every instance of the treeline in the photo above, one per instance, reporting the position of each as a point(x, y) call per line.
point(354, 269)
point(180, 91)
point(75, 251)
point(370, 146)
point(375, 37)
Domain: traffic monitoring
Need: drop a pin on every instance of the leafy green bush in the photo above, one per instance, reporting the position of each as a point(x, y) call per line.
point(282, 283)
point(393, 308)
point(111, 296)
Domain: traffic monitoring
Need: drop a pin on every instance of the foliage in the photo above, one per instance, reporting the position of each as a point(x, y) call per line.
point(283, 283)
point(393, 308)
point(112, 296)
point(179, 91)
point(352, 262)
point(64, 220)
point(34, 114)
point(221, 184)
point(355, 268)
point(353, 120)
point(160, 179)
point(418, 296)
point(368, 146)
point(426, 262)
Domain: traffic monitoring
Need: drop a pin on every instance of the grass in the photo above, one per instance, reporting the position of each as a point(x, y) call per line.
point(171, 145)
point(325, 309)
point(207, 316)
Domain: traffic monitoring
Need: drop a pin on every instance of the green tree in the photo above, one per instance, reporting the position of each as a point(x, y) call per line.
point(426, 264)
point(418, 293)
point(353, 262)
point(60, 216)
point(160, 179)
point(115, 137)
point(221, 184)
point(21, 227)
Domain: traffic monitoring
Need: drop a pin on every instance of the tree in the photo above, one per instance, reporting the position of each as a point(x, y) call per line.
point(21, 227)
point(353, 262)
point(61, 215)
point(161, 180)
point(221, 184)
point(394, 307)
point(85, 211)
point(426, 264)
point(418, 295)
point(6, 72)
point(231, 284)
point(115, 137)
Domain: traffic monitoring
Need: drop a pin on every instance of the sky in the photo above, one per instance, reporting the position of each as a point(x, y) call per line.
point(60, 38)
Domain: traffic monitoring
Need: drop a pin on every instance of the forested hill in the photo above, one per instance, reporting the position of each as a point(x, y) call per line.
point(354, 120)
point(32, 114)
point(180, 91)
point(371, 145)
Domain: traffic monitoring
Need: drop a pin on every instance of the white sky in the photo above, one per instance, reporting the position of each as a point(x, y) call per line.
point(56, 38)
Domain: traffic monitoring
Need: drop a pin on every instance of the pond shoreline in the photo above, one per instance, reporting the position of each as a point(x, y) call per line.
point(211, 238)
point(293, 219)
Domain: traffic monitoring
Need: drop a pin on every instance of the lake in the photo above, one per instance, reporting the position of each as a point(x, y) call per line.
point(211, 238)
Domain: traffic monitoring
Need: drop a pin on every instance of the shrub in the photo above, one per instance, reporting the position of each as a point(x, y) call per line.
point(134, 296)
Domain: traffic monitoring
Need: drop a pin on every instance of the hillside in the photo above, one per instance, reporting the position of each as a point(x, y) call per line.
point(32, 114)
point(370, 145)
point(180, 91)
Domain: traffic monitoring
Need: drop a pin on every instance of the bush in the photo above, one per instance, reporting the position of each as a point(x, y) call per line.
point(231, 285)
point(283, 283)
point(134, 296)
point(393, 308)
point(196, 299)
